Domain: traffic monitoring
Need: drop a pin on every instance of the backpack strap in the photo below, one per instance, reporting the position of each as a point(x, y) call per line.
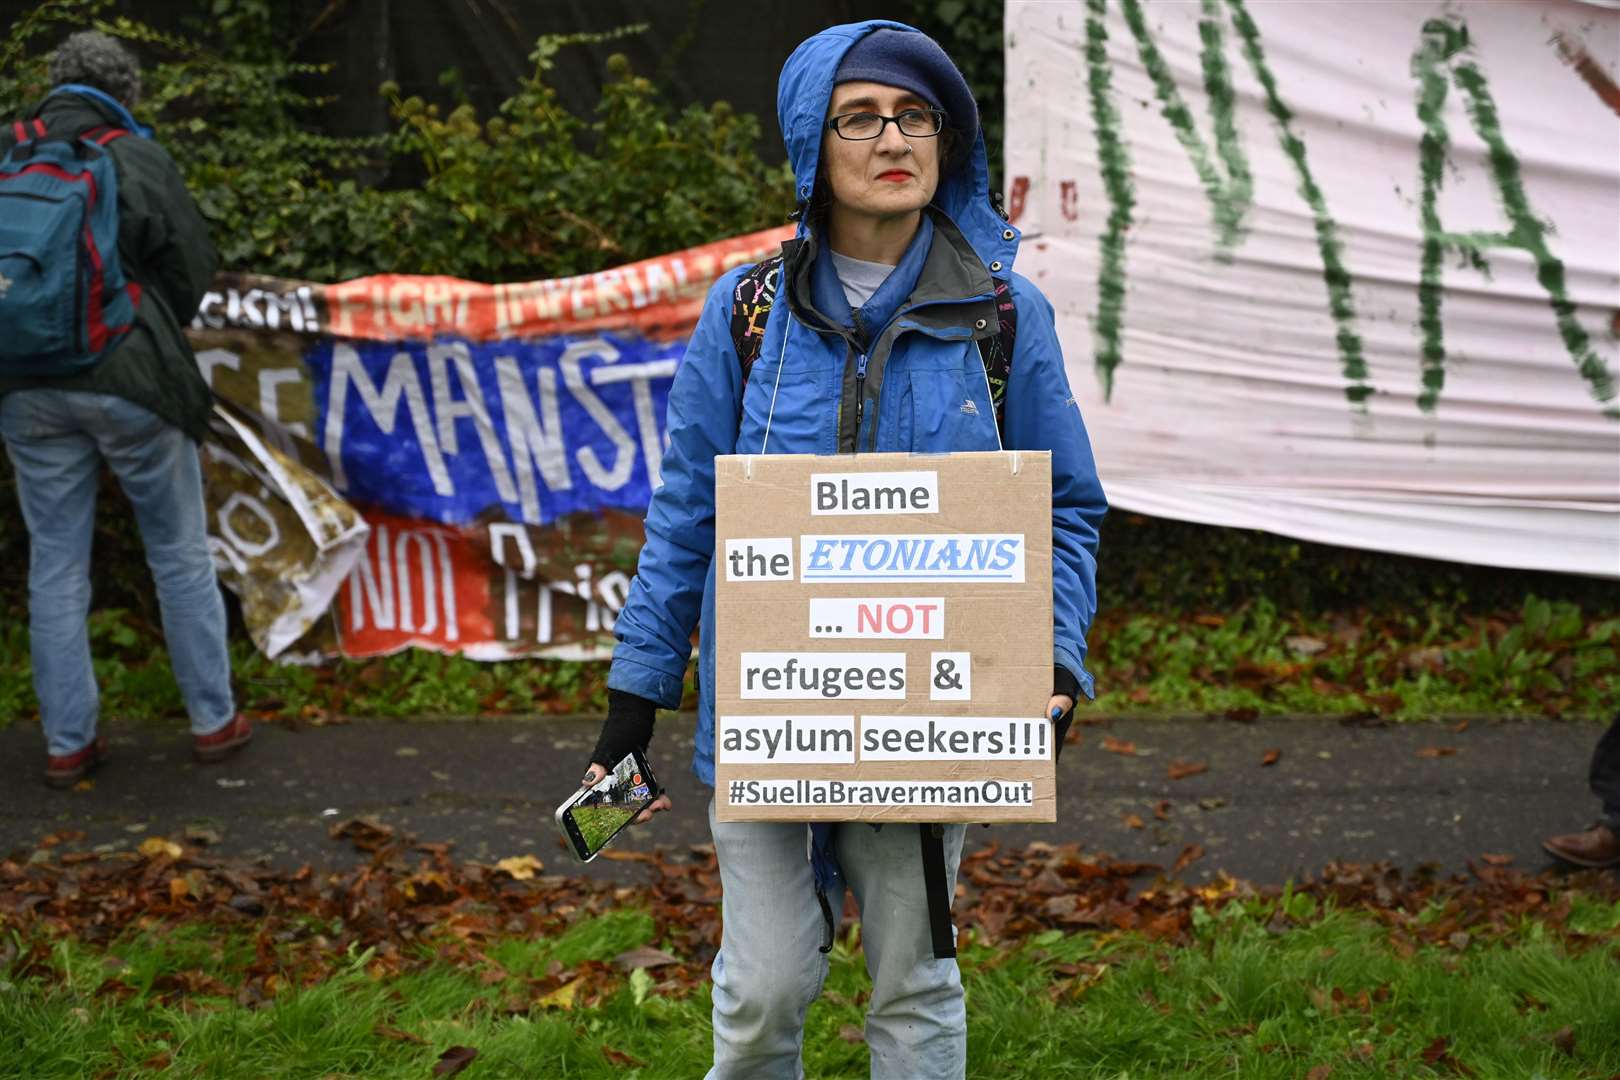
point(936, 887)
point(25, 131)
point(997, 352)
point(103, 135)
point(751, 305)
point(756, 290)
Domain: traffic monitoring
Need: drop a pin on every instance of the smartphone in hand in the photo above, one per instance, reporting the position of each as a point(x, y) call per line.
point(593, 816)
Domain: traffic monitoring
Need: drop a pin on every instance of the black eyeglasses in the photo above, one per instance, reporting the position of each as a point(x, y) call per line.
point(859, 126)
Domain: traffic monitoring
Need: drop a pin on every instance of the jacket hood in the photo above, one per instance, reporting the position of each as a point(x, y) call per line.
point(802, 95)
point(71, 96)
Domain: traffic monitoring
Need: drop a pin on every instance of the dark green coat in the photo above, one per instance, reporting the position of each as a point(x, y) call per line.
point(164, 246)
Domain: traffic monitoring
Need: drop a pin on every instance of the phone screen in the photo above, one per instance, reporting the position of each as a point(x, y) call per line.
point(594, 816)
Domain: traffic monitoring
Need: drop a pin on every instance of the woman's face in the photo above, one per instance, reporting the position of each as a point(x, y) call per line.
point(879, 177)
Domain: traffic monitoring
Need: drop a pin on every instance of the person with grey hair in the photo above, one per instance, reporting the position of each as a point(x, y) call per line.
point(95, 368)
point(92, 58)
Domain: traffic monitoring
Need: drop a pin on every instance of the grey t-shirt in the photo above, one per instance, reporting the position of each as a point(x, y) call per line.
point(859, 278)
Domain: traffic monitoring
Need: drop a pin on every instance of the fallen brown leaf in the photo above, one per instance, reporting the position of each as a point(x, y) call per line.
point(454, 1060)
point(562, 997)
point(1437, 1055)
point(365, 833)
point(1270, 757)
point(521, 867)
point(619, 1057)
point(1161, 809)
point(1189, 855)
point(1118, 746)
point(383, 1031)
point(1305, 646)
point(1134, 822)
point(615, 855)
point(1180, 770)
point(1497, 860)
point(156, 847)
point(644, 957)
point(1168, 925)
point(1319, 1072)
point(851, 1034)
point(1436, 751)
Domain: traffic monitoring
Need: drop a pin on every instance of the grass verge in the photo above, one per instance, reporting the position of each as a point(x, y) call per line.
point(1548, 658)
point(1330, 996)
point(173, 961)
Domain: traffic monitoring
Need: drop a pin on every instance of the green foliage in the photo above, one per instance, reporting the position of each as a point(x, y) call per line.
point(529, 193)
point(16, 689)
point(1165, 566)
point(516, 195)
point(225, 100)
point(1552, 659)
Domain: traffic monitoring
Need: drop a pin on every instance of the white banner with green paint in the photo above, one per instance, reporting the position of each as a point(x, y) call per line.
point(1343, 271)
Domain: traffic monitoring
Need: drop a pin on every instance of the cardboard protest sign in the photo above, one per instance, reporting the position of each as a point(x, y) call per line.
point(883, 633)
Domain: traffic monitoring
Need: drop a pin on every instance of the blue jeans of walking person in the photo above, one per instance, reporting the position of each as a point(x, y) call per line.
point(769, 969)
point(57, 441)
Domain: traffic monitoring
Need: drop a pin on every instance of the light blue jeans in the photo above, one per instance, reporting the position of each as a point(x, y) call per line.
point(57, 440)
point(769, 969)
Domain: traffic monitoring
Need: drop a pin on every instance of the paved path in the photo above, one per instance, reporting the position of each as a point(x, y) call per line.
point(1337, 792)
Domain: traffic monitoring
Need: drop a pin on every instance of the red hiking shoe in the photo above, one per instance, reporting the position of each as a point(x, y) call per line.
point(63, 771)
point(221, 744)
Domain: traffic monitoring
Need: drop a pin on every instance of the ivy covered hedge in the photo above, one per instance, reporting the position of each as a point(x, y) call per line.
point(533, 191)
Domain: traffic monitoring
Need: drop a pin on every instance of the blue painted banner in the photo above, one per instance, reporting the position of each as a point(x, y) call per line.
point(459, 432)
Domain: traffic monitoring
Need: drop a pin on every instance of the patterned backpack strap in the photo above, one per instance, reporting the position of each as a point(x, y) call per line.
point(750, 306)
point(997, 352)
point(27, 130)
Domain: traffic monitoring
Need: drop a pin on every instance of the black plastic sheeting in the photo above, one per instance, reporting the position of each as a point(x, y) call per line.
point(695, 50)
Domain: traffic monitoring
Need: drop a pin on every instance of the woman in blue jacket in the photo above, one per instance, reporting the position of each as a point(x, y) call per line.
point(871, 345)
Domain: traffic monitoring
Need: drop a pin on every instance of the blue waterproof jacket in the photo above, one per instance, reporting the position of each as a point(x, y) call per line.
point(902, 374)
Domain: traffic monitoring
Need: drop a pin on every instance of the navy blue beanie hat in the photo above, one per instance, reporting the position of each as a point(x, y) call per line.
point(913, 61)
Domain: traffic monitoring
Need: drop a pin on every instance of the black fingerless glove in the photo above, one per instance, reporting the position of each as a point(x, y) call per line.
point(1063, 682)
point(629, 726)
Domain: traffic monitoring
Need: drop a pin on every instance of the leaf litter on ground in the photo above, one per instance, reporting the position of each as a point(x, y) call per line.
point(306, 924)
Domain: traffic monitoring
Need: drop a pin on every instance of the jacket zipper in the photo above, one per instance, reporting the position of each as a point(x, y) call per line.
point(860, 397)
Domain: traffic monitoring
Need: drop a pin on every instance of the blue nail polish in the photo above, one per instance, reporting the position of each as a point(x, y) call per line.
point(1056, 712)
